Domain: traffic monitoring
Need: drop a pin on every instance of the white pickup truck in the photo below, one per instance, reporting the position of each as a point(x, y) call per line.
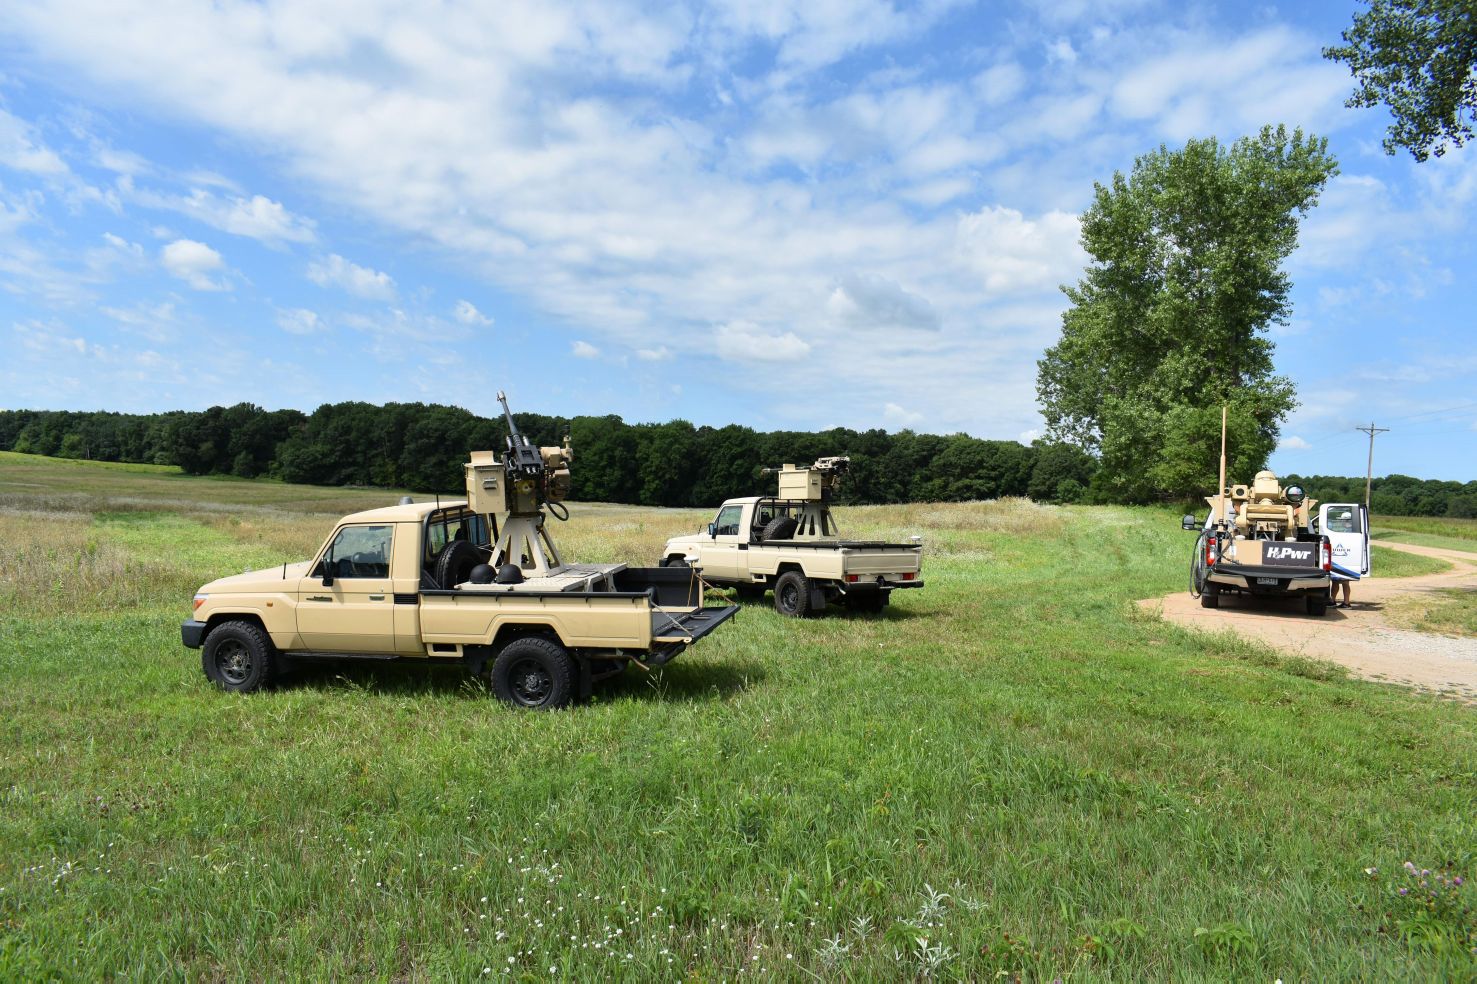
point(790, 544)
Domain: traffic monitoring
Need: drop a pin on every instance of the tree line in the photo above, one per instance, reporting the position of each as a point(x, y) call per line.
point(1395, 495)
point(422, 447)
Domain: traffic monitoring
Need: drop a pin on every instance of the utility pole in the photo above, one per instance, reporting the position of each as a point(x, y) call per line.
point(1371, 430)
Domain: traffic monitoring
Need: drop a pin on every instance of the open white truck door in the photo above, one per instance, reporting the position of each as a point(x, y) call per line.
point(1346, 524)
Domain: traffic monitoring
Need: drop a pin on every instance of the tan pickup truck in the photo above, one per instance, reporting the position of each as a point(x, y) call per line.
point(791, 544)
point(403, 583)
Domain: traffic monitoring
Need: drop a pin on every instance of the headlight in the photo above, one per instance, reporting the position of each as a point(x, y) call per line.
point(200, 599)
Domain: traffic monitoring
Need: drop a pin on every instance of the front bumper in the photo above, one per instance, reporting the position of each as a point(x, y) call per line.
point(192, 633)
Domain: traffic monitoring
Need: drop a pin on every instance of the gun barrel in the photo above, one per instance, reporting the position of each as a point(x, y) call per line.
point(508, 414)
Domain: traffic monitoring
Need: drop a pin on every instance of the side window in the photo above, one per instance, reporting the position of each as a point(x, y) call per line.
point(728, 520)
point(1341, 519)
point(360, 551)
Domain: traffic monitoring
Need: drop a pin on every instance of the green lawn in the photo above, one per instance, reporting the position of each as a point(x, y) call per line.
point(1427, 531)
point(1451, 612)
point(1011, 773)
point(1388, 562)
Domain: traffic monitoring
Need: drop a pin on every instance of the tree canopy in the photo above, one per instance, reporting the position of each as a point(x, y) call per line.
point(1419, 59)
point(1169, 321)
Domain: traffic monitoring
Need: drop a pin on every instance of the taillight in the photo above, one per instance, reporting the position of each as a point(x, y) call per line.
point(1327, 555)
point(852, 578)
point(910, 575)
point(1212, 551)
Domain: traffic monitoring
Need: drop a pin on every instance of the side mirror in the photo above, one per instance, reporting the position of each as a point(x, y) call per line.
point(713, 530)
point(326, 569)
point(1188, 522)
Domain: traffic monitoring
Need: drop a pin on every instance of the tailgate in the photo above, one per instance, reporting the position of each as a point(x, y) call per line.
point(688, 626)
point(899, 560)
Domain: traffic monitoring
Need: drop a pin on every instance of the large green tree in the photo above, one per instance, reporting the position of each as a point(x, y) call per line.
point(1419, 59)
point(1170, 319)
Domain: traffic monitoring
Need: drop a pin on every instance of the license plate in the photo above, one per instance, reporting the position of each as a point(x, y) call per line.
point(1268, 580)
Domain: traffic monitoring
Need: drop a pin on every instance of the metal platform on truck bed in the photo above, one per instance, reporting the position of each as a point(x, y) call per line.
point(689, 626)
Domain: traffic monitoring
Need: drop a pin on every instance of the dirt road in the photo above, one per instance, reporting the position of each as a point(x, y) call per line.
point(1359, 638)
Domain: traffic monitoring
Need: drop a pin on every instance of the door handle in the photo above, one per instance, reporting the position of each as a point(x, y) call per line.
point(319, 598)
point(376, 597)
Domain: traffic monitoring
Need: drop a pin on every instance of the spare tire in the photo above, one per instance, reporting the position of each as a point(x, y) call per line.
point(455, 562)
point(779, 528)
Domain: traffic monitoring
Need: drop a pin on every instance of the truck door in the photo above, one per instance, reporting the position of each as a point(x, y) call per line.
point(1346, 524)
point(355, 614)
point(722, 557)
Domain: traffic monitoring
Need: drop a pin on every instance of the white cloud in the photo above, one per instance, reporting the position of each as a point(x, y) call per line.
point(335, 271)
point(1185, 91)
point(23, 150)
point(900, 417)
point(584, 350)
point(1015, 254)
point(876, 302)
point(1061, 50)
point(50, 339)
point(193, 262)
point(466, 312)
point(1293, 443)
point(1000, 83)
point(659, 354)
point(744, 341)
point(299, 321)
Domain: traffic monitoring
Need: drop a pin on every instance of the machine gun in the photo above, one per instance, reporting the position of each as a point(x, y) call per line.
point(522, 459)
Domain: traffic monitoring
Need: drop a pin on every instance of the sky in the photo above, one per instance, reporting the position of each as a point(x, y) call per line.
point(788, 214)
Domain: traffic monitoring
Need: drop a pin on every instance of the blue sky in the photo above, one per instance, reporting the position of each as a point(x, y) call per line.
point(784, 214)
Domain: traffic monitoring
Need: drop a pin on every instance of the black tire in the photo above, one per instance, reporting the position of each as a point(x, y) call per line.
point(238, 657)
point(1210, 596)
point(1317, 605)
point(792, 595)
point(534, 673)
point(675, 561)
point(1198, 567)
point(779, 528)
point(455, 562)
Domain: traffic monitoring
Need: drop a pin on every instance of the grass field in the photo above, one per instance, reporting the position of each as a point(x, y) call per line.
point(1452, 612)
point(1395, 563)
point(1449, 534)
point(1011, 773)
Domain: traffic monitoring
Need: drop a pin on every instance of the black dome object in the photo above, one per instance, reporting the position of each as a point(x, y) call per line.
point(510, 574)
point(481, 574)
